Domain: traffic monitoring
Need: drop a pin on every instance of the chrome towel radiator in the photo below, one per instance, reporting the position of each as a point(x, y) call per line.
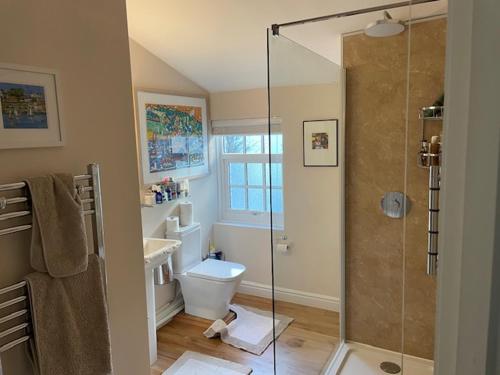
point(88, 187)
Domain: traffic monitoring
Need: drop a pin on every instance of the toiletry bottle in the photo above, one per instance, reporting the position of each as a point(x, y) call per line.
point(183, 189)
point(163, 193)
point(159, 197)
point(211, 250)
point(174, 191)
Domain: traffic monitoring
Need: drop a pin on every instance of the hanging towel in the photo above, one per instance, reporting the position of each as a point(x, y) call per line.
point(70, 325)
point(59, 240)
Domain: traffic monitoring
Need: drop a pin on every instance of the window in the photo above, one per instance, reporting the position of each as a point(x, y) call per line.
point(246, 191)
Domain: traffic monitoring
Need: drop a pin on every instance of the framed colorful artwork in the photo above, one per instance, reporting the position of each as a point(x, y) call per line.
point(30, 107)
point(321, 143)
point(174, 140)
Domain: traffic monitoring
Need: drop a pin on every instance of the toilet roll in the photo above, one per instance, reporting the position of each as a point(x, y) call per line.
point(186, 209)
point(282, 248)
point(172, 223)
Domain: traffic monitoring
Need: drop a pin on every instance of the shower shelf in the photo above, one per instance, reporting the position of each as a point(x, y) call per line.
point(431, 113)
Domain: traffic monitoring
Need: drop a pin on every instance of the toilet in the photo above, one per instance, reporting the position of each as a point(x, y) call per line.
point(207, 286)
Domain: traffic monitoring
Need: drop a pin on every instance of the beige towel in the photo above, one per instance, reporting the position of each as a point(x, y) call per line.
point(59, 240)
point(71, 334)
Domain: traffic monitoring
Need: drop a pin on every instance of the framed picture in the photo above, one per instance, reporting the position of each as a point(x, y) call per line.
point(174, 141)
point(30, 107)
point(321, 143)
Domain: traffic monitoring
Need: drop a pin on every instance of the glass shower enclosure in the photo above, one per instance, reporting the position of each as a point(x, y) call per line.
point(305, 94)
point(354, 205)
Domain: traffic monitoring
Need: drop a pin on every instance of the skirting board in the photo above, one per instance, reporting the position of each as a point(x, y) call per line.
point(290, 295)
point(166, 314)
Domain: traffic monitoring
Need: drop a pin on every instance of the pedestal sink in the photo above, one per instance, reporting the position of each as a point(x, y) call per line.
point(157, 251)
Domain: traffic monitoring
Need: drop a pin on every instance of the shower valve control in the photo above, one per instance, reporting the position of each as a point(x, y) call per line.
point(395, 204)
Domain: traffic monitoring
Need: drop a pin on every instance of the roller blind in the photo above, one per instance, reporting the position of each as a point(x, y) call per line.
point(245, 126)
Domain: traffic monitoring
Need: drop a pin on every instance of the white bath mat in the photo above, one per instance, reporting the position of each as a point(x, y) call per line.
point(191, 363)
point(252, 330)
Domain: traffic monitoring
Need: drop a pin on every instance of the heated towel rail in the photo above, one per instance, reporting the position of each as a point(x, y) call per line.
point(88, 187)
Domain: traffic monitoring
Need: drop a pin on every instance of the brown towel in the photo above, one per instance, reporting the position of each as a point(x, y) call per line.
point(59, 240)
point(71, 333)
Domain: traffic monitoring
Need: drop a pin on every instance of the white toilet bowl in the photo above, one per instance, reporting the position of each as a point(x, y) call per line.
point(208, 287)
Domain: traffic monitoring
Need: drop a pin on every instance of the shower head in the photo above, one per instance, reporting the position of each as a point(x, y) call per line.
point(385, 27)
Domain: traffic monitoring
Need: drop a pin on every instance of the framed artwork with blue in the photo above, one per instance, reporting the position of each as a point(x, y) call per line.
point(174, 140)
point(29, 107)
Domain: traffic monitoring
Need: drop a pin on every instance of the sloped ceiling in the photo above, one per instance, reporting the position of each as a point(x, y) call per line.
point(221, 44)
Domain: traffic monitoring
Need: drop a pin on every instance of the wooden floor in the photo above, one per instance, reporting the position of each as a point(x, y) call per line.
point(302, 349)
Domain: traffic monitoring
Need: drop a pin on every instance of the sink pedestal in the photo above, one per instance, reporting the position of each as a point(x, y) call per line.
point(156, 252)
point(150, 299)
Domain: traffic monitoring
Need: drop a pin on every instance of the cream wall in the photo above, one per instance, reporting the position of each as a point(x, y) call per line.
point(249, 246)
point(152, 74)
point(87, 42)
point(312, 195)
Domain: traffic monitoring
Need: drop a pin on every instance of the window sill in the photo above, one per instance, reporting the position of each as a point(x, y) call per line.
point(249, 225)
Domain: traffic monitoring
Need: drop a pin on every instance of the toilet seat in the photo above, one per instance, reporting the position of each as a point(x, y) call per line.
point(217, 270)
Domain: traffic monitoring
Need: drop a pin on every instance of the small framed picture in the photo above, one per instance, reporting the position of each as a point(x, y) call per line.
point(29, 107)
point(321, 143)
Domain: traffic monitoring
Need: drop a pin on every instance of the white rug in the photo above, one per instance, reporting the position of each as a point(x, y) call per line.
point(252, 330)
point(191, 363)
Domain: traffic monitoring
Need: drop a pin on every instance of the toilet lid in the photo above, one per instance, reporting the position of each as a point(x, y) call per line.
point(217, 270)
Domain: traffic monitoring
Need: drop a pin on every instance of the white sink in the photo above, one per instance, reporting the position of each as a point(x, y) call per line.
point(157, 250)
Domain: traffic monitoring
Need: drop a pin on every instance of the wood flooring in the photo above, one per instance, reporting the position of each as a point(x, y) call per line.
point(302, 349)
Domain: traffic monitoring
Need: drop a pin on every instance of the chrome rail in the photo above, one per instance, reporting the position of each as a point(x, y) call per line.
point(433, 224)
point(20, 185)
point(94, 210)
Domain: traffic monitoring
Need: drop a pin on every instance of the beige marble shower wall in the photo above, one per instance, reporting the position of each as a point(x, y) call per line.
point(388, 291)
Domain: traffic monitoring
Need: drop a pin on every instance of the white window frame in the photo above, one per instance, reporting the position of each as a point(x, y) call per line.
point(245, 217)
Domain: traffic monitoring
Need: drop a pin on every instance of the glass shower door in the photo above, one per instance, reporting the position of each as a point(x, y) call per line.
point(422, 185)
point(304, 177)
